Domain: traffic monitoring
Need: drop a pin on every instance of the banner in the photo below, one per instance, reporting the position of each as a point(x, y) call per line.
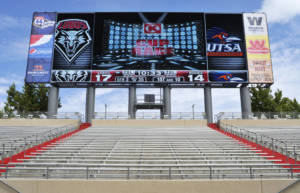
point(41, 48)
point(258, 48)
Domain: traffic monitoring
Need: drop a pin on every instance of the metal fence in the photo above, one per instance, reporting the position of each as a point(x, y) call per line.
point(43, 115)
point(18, 145)
point(258, 115)
point(263, 140)
point(142, 171)
point(150, 115)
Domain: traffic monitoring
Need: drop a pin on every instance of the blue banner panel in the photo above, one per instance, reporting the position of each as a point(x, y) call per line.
point(41, 48)
point(228, 76)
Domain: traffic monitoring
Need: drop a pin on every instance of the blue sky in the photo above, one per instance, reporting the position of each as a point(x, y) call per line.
point(284, 31)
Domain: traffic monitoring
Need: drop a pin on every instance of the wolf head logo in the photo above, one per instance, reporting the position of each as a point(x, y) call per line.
point(72, 37)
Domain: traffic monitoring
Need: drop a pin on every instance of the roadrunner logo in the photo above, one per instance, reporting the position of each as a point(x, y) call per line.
point(72, 37)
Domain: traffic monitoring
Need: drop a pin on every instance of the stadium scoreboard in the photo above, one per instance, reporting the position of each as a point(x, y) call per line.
point(82, 49)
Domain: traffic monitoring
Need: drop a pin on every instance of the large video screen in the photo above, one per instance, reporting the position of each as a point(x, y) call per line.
point(166, 48)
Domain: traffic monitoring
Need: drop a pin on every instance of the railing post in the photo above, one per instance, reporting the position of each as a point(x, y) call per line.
point(128, 173)
point(170, 173)
point(6, 172)
point(47, 172)
point(3, 152)
point(87, 172)
point(251, 172)
point(295, 155)
point(292, 173)
point(210, 172)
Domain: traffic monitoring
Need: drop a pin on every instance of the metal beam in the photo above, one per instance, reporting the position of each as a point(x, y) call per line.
point(132, 102)
point(90, 103)
point(245, 102)
point(52, 102)
point(208, 104)
point(167, 102)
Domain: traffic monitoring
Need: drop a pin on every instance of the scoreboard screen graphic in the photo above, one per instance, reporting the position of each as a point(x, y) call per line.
point(165, 48)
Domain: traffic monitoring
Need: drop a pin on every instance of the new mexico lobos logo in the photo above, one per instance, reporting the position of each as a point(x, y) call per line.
point(72, 37)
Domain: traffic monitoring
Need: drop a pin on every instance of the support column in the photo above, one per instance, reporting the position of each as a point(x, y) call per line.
point(131, 102)
point(167, 101)
point(245, 102)
point(208, 104)
point(52, 102)
point(90, 103)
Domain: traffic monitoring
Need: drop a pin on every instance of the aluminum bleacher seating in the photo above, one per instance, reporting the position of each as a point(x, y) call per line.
point(149, 153)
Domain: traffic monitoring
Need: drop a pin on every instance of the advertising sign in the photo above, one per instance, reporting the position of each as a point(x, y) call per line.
point(226, 47)
point(258, 49)
point(41, 48)
point(134, 47)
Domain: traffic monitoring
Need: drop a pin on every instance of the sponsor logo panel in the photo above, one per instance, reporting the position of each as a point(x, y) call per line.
point(260, 71)
point(258, 49)
point(153, 28)
point(40, 51)
point(41, 46)
point(255, 23)
point(43, 23)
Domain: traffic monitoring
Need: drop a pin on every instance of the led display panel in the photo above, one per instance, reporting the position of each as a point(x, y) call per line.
point(73, 41)
point(226, 49)
point(122, 48)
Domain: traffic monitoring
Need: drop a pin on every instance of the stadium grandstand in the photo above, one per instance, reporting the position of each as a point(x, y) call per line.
point(139, 152)
point(62, 149)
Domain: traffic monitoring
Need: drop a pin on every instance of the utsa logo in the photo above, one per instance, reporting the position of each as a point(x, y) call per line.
point(72, 37)
point(225, 77)
point(221, 43)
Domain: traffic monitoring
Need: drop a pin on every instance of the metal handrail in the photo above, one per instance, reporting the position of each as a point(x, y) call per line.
point(150, 115)
point(11, 148)
point(257, 115)
point(249, 170)
point(274, 145)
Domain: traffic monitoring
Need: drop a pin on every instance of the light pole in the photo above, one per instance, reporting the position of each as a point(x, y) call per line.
point(105, 111)
point(193, 108)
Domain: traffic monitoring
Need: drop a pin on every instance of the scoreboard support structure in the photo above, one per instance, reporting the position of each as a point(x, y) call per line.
point(133, 105)
point(52, 102)
point(245, 102)
point(90, 104)
point(164, 106)
point(131, 101)
point(167, 102)
point(208, 104)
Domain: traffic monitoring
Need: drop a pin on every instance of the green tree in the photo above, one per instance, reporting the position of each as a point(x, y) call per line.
point(1, 113)
point(264, 101)
point(33, 98)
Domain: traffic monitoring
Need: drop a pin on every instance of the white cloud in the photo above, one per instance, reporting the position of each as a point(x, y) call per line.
point(280, 11)
point(3, 90)
point(9, 22)
point(12, 50)
point(14, 78)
